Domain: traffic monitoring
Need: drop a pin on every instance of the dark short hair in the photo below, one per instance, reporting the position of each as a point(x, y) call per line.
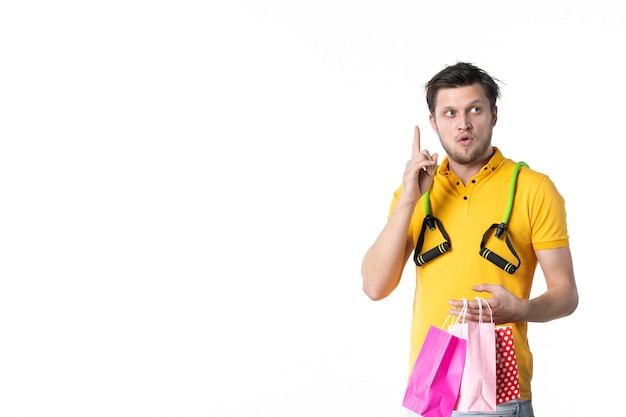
point(461, 74)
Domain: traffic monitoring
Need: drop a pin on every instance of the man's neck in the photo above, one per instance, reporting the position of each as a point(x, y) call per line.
point(465, 172)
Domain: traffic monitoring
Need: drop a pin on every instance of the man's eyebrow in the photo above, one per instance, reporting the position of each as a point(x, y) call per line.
point(470, 104)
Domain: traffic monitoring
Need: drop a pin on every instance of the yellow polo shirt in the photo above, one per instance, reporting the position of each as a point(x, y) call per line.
point(537, 222)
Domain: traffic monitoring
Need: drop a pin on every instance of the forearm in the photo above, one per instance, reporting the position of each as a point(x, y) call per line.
point(553, 304)
point(384, 262)
point(559, 300)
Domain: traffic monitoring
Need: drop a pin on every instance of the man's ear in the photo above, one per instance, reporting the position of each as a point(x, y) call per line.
point(433, 123)
point(495, 116)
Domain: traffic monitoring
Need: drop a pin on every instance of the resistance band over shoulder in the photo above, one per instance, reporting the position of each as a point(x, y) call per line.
point(434, 223)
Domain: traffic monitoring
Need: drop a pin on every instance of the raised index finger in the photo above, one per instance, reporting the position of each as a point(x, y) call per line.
point(416, 142)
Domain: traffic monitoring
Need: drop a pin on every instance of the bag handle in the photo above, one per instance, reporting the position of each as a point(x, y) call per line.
point(480, 309)
point(461, 316)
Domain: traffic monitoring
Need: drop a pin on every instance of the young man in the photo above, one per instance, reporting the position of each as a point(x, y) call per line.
point(464, 197)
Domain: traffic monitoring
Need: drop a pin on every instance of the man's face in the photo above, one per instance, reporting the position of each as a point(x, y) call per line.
point(464, 121)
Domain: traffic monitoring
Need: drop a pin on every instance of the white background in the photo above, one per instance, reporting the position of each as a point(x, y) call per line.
point(187, 190)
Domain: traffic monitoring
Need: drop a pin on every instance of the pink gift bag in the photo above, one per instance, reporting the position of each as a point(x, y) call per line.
point(507, 383)
point(478, 385)
point(434, 383)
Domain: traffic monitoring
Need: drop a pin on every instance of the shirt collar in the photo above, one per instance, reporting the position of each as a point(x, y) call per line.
point(495, 160)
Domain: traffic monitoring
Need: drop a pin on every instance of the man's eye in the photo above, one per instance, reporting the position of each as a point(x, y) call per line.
point(449, 113)
point(475, 109)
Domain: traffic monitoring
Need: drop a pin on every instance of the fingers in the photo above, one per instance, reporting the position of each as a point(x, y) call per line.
point(431, 169)
point(416, 142)
point(472, 304)
point(417, 149)
point(490, 288)
point(473, 313)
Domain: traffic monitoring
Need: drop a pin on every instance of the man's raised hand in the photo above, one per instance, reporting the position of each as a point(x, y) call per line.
point(420, 170)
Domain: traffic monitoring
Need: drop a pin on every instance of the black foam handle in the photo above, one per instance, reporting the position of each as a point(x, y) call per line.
point(498, 260)
point(431, 254)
